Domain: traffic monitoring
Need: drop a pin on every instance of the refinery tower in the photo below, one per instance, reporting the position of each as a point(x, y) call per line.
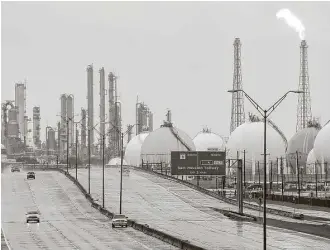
point(36, 127)
point(114, 118)
point(20, 103)
point(90, 106)
point(144, 118)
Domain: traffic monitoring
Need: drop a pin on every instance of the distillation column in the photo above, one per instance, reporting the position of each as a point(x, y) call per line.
point(90, 105)
point(63, 132)
point(36, 127)
point(20, 103)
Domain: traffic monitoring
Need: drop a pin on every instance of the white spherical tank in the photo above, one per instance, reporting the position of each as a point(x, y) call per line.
point(116, 162)
point(133, 149)
point(250, 137)
point(158, 145)
point(322, 146)
point(302, 142)
point(205, 141)
point(311, 158)
point(310, 163)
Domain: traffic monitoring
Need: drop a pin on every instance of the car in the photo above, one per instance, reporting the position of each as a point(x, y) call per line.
point(119, 220)
point(32, 216)
point(30, 175)
point(15, 169)
point(126, 171)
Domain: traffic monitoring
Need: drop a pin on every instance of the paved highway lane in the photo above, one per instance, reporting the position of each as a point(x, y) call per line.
point(184, 212)
point(67, 219)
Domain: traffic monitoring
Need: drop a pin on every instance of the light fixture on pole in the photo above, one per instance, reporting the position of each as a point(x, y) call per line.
point(121, 165)
point(265, 114)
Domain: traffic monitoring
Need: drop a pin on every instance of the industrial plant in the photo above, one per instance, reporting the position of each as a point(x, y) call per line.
point(81, 136)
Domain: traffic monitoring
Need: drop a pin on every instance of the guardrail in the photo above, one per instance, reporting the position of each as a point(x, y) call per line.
point(182, 244)
point(222, 198)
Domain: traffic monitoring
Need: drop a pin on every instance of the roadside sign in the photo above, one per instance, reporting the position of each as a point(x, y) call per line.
point(198, 163)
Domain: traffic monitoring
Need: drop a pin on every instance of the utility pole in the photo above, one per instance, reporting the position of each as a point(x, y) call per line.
point(282, 177)
point(259, 172)
point(244, 168)
point(316, 177)
point(239, 186)
point(271, 177)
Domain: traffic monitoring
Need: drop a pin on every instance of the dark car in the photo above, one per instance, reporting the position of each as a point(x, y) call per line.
point(30, 175)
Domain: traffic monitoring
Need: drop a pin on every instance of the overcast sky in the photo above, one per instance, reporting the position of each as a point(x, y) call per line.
point(176, 55)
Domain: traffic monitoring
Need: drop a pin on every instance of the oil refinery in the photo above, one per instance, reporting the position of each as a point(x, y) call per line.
point(82, 132)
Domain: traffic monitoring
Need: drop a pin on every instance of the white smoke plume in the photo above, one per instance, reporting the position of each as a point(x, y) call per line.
point(292, 21)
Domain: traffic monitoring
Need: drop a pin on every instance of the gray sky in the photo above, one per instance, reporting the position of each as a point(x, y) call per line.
point(176, 55)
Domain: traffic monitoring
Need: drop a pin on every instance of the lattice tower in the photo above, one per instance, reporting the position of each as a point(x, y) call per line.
point(237, 106)
point(304, 110)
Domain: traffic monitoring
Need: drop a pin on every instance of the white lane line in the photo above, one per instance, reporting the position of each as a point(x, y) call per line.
point(6, 241)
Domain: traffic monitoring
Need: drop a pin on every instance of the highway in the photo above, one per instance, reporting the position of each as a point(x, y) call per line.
point(67, 219)
point(184, 212)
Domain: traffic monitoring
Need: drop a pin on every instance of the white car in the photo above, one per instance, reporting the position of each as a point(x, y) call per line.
point(32, 216)
point(126, 171)
point(119, 220)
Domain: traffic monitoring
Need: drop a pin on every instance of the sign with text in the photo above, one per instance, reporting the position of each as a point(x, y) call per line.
point(198, 163)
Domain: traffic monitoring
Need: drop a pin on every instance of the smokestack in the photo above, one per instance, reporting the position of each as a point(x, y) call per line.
point(70, 116)
point(102, 101)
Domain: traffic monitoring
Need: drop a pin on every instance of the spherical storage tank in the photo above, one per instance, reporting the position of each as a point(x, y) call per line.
point(322, 145)
point(250, 137)
point(133, 149)
point(158, 145)
point(303, 142)
point(205, 141)
point(310, 164)
point(116, 162)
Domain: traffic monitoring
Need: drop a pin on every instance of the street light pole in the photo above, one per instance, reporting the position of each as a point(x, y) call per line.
point(121, 171)
point(89, 161)
point(67, 145)
point(76, 152)
point(121, 166)
point(244, 169)
point(265, 113)
point(265, 180)
point(103, 145)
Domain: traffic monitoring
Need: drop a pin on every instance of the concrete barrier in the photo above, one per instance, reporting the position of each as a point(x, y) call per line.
point(174, 241)
point(182, 244)
point(222, 198)
point(235, 215)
